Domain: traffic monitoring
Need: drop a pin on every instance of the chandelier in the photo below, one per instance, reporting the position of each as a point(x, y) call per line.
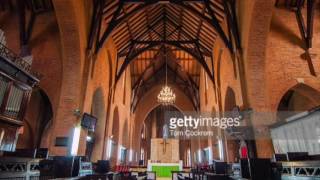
point(166, 96)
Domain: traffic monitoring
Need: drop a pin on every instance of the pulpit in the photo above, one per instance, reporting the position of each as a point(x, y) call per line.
point(164, 157)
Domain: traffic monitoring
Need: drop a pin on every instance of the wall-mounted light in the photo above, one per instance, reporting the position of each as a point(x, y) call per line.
point(77, 112)
point(89, 138)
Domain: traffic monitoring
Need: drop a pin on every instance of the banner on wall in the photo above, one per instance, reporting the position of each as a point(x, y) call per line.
point(299, 134)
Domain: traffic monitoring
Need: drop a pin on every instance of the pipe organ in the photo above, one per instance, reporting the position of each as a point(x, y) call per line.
point(16, 83)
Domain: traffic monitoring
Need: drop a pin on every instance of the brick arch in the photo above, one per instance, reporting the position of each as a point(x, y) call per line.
point(115, 124)
point(231, 145)
point(115, 135)
point(38, 119)
point(310, 95)
point(125, 135)
point(229, 100)
point(149, 102)
point(159, 107)
point(255, 53)
point(98, 109)
point(26, 140)
point(71, 72)
point(259, 15)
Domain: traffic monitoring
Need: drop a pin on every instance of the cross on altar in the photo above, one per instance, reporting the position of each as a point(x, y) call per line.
point(164, 143)
point(164, 150)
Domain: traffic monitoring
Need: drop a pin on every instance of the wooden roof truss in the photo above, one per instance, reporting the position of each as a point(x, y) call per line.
point(190, 25)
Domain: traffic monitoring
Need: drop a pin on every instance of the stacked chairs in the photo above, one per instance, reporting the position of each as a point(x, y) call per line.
point(122, 169)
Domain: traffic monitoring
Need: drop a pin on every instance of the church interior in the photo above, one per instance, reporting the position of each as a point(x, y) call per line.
point(160, 89)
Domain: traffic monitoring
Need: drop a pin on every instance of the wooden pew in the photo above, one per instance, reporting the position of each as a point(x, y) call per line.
point(65, 167)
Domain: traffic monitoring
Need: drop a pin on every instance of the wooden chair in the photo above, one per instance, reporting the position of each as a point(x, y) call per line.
point(63, 166)
point(46, 169)
point(103, 166)
point(42, 153)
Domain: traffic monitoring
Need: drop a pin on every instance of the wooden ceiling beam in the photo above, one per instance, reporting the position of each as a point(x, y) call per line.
point(188, 85)
point(306, 28)
point(206, 51)
point(116, 20)
point(133, 54)
point(213, 21)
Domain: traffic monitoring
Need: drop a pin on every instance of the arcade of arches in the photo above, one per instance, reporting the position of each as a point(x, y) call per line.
point(108, 59)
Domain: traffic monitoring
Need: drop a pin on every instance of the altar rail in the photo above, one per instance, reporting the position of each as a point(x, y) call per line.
point(301, 169)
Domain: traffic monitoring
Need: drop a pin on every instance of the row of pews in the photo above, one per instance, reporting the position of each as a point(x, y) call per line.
point(36, 164)
point(31, 164)
point(290, 166)
point(298, 165)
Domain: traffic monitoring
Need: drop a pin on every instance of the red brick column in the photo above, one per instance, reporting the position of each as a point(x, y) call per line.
point(70, 95)
point(255, 60)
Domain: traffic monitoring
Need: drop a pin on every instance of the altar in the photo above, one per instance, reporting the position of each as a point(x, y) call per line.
point(164, 169)
point(164, 157)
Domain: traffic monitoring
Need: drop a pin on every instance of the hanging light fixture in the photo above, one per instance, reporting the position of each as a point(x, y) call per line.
point(166, 96)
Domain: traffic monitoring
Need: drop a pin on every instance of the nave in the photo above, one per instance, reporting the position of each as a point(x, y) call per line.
point(160, 89)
